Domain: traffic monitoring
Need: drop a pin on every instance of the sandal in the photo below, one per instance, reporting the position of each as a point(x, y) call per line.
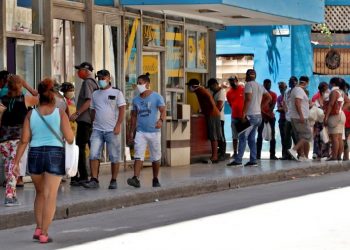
point(44, 239)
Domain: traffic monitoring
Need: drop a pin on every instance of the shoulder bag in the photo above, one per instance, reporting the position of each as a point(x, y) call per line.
point(71, 151)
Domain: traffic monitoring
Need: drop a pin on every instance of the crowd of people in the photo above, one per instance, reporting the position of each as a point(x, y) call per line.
point(35, 124)
point(323, 119)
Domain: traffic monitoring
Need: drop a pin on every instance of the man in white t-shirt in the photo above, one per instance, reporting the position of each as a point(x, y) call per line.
point(255, 97)
point(219, 96)
point(108, 108)
point(299, 114)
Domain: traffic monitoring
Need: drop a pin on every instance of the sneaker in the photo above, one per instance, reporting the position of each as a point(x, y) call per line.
point(37, 234)
point(10, 202)
point(234, 164)
point(303, 158)
point(134, 181)
point(155, 182)
point(44, 239)
point(251, 164)
point(293, 153)
point(274, 158)
point(113, 184)
point(93, 183)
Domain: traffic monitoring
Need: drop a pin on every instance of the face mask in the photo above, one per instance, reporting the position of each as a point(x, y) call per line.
point(102, 84)
point(69, 95)
point(83, 74)
point(141, 88)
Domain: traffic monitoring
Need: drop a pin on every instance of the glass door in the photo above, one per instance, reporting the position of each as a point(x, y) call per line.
point(151, 65)
point(24, 59)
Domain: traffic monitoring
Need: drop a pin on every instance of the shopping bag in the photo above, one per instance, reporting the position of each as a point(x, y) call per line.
point(267, 133)
point(324, 135)
point(71, 159)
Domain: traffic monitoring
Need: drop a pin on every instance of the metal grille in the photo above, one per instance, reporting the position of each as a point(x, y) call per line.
point(337, 19)
point(320, 65)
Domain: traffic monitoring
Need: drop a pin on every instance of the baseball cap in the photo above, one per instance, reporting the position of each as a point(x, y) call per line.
point(233, 78)
point(192, 82)
point(102, 73)
point(84, 65)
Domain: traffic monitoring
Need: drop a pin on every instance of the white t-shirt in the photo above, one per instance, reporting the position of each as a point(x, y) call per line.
point(106, 103)
point(257, 92)
point(299, 93)
point(220, 96)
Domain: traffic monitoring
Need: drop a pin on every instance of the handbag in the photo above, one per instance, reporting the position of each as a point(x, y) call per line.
point(71, 151)
point(267, 132)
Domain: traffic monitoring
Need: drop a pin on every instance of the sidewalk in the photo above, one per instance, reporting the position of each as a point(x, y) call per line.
point(176, 182)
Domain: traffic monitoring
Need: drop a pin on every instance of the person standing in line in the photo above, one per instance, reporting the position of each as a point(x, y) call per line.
point(145, 117)
point(268, 116)
point(219, 98)
point(46, 161)
point(282, 119)
point(108, 109)
point(255, 97)
point(299, 114)
point(83, 118)
point(17, 106)
point(347, 126)
point(212, 117)
point(288, 131)
point(235, 98)
point(67, 89)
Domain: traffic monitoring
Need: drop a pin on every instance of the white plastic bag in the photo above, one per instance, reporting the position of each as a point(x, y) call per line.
point(267, 133)
point(324, 135)
point(71, 159)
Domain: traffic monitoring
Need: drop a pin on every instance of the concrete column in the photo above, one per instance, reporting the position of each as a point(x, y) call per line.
point(89, 31)
point(3, 63)
point(212, 54)
point(47, 22)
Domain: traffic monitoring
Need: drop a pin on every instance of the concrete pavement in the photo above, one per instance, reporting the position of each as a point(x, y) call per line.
point(176, 182)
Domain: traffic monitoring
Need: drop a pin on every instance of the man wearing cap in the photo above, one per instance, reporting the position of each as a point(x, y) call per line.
point(255, 97)
point(235, 98)
point(108, 109)
point(212, 116)
point(83, 118)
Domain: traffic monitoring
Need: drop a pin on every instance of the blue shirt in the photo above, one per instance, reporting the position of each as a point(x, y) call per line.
point(41, 134)
point(147, 111)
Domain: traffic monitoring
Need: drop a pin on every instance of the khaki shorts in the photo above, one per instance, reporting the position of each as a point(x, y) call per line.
point(336, 124)
point(302, 130)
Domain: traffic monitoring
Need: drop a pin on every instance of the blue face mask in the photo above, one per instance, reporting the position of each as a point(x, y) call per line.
point(102, 84)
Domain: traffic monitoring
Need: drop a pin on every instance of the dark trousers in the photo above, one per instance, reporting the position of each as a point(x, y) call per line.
point(222, 143)
point(285, 145)
point(259, 140)
point(84, 130)
point(289, 135)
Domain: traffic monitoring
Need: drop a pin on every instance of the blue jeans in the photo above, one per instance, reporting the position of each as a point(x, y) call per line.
point(254, 120)
point(98, 139)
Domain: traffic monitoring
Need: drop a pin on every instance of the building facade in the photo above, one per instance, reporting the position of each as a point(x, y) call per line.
point(171, 40)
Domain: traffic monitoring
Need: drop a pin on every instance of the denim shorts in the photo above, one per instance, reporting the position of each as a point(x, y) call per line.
point(98, 139)
point(47, 159)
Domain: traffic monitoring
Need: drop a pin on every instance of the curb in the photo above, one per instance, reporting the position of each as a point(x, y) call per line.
point(182, 190)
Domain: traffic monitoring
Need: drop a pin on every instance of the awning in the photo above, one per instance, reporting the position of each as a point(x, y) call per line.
point(238, 12)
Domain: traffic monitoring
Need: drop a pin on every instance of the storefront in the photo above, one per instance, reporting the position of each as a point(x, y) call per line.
point(171, 40)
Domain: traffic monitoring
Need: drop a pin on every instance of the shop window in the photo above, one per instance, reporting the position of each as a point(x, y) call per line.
point(174, 56)
point(106, 45)
point(331, 61)
point(23, 16)
point(229, 65)
point(197, 50)
point(152, 32)
point(131, 26)
point(63, 50)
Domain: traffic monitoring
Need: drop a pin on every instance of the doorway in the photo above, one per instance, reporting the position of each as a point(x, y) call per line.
point(151, 65)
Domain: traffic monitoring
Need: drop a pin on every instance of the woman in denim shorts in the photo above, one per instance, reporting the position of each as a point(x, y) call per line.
point(46, 159)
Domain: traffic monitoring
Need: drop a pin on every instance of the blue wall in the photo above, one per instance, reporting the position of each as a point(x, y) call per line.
point(272, 54)
point(337, 2)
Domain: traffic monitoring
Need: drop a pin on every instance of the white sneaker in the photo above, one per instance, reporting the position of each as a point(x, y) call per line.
point(293, 153)
point(302, 158)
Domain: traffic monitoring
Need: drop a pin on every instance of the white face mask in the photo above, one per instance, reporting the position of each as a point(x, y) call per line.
point(69, 95)
point(141, 88)
point(193, 88)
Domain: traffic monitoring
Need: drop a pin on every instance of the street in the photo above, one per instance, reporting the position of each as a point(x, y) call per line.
point(310, 213)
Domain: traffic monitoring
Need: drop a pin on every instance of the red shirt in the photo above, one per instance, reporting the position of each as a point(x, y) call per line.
point(267, 111)
point(235, 98)
point(347, 115)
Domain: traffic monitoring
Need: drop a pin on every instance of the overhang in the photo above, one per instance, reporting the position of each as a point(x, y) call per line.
point(238, 12)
